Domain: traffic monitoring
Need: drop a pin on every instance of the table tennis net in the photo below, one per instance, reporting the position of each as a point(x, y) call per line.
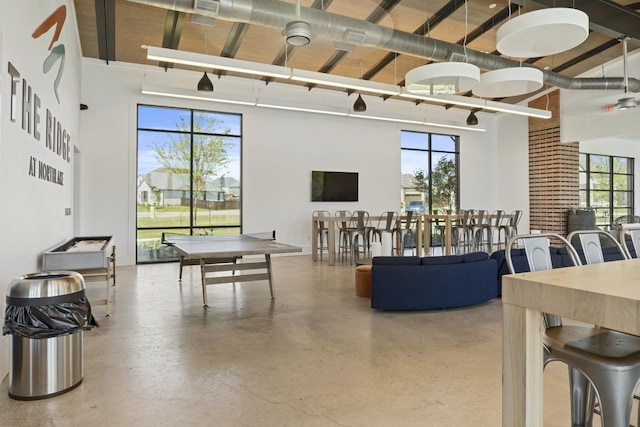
point(168, 237)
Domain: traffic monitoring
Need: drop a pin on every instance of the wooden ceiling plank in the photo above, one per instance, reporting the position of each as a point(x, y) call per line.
point(485, 26)
point(380, 12)
point(595, 51)
point(433, 21)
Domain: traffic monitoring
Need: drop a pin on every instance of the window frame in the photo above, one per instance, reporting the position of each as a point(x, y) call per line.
point(430, 151)
point(192, 134)
point(586, 176)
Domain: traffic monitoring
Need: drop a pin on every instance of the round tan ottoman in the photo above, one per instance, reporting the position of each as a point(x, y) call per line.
point(363, 281)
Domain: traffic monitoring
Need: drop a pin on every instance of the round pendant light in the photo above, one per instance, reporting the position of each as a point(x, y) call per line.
point(508, 82)
point(542, 32)
point(443, 78)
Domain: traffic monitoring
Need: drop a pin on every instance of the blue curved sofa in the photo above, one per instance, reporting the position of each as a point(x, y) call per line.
point(413, 283)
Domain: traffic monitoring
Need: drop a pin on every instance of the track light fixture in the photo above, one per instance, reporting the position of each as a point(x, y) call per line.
point(359, 105)
point(205, 84)
point(357, 85)
point(472, 119)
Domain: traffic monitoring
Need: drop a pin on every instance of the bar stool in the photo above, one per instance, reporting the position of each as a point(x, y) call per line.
point(493, 229)
point(322, 231)
point(461, 238)
point(478, 231)
point(344, 241)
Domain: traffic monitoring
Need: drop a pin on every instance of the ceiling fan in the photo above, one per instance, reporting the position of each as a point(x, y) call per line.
point(627, 102)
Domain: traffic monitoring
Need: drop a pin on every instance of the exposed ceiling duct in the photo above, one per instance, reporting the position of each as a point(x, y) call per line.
point(333, 27)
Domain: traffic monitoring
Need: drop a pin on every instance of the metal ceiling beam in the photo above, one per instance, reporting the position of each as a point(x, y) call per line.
point(231, 46)
point(605, 16)
point(172, 32)
point(234, 39)
point(106, 29)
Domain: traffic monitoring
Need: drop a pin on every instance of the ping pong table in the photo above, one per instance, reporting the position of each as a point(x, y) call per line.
point(218, 254)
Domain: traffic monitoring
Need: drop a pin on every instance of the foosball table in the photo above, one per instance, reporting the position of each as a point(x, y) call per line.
point(94, 257)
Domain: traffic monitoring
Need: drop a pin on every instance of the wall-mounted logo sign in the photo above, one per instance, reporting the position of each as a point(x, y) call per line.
point(56, 53)
point(36, 119)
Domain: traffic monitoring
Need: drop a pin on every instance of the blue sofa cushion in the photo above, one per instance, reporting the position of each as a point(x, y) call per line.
point(475, 257)
point(428, 287)
point(395, 260)
point(441, 260)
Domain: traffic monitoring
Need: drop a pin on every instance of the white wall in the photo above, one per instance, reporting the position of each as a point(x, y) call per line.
point(280, 148)
point(512, 164)
point(32, 218)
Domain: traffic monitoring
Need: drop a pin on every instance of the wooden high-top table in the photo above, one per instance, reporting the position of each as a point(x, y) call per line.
point(423, 230)
point(423, 235)
point(607, 295)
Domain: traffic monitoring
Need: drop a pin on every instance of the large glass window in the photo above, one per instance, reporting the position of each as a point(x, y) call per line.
point(606, 186)
point(189, 169)
point(429, 168)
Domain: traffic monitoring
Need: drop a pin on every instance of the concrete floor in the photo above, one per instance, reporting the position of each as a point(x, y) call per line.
point(317, 355)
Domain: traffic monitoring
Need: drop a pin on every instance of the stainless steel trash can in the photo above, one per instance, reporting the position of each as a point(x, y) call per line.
point(46, 353)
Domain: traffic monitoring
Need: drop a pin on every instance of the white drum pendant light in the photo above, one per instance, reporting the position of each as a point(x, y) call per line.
point(508, 82)
point(542, 32)
point(443, 78)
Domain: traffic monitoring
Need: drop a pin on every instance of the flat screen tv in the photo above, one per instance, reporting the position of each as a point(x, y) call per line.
point(334, 186)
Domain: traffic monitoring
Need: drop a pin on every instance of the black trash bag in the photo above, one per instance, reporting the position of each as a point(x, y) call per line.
point(47, 321)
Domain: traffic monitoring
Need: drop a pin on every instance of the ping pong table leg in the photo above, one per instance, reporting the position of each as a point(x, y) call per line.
point(267, 258)
point(204, 282)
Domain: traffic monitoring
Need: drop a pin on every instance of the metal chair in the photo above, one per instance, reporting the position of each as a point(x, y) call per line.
point(634, 235)
point(344, 242)
point(600, 361)
point(388, 223)
point(477, 231)
point(360, 228)
point(322, 230)
point(590, 242)
point(493, 229)
point(510, 228)
point(460, 232)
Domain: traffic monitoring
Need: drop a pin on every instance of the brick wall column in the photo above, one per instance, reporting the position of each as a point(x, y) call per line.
point(553, 170)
